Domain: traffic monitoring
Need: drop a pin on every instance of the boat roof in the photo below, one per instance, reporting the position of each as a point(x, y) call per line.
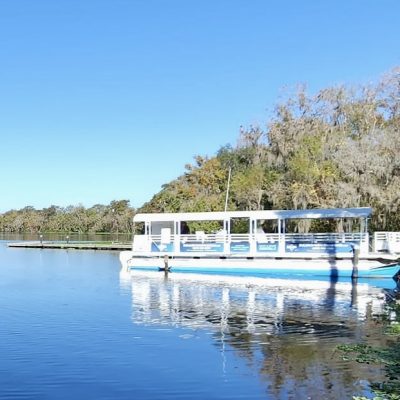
point(360, 212)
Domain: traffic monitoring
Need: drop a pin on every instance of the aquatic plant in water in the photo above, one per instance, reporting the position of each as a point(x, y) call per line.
point(388, 357)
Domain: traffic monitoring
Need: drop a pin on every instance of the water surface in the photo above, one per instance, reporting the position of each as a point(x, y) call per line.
point(74, 326)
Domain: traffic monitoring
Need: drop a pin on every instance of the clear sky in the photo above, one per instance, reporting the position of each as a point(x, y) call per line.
point(109, 99)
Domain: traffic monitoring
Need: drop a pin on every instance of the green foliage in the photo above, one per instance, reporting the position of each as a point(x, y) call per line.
point(201, 188)
point(240, 225)
point(388, 357)
point(394, 329)
point(337, 148)
point(115, 217)
point(205, 226)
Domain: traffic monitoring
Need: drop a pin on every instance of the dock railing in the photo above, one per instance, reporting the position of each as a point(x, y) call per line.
point(386, 242)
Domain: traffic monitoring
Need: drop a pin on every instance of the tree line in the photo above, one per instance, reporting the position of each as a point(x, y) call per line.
point(115, 217)
point(339, 147)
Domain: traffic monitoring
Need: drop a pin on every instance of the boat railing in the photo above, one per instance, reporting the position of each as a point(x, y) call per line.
point(228, 238)
point(326, 237)
point(299, 237)
point(239, 237)
point(201, 237)
point(244, 242)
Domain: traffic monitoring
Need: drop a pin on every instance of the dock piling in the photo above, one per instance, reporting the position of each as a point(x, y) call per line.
point(166, 266)
point(356, 256)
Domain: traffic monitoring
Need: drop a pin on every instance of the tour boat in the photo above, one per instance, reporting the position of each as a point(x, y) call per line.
point(272, 242)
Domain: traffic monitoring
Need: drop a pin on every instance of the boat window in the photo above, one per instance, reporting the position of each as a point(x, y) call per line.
point(185, 229)
point(323, 225)
point(205, 226)
point(240, 225)
point(298, 225)
point(326, 225)
point(157, 226)
point(138, 228)
point(267, 226)
point(353, 225)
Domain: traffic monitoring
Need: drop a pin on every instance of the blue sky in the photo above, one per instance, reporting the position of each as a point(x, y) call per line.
point(104, 100)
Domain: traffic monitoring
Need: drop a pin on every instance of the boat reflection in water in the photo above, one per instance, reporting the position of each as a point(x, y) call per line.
point(287, 330)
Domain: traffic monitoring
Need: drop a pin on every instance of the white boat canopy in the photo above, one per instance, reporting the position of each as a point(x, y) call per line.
point(361, 212)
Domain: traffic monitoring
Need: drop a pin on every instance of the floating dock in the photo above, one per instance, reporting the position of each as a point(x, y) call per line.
point(71, 245)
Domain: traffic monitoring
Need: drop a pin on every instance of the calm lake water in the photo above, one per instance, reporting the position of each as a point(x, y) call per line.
point(73, 326)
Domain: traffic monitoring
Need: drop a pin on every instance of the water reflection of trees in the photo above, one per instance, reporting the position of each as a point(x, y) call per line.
point(288, 334)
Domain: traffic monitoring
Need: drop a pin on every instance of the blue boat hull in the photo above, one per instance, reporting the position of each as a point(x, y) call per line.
point(278, 267)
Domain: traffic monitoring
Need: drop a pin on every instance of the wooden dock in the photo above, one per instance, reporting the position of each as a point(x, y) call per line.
point(71, 245)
